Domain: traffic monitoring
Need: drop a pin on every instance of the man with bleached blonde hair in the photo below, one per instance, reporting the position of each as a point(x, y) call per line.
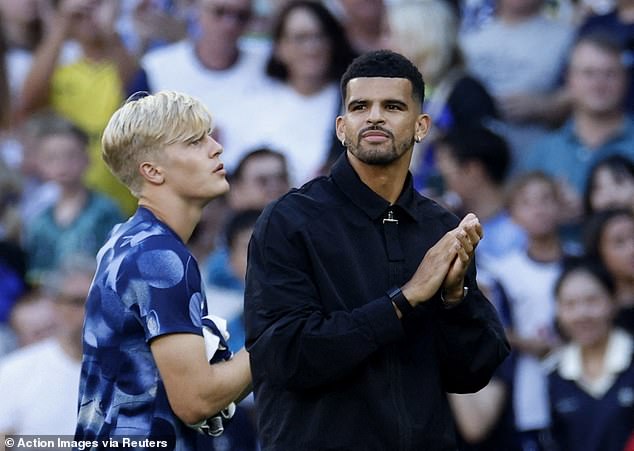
point(154, 360)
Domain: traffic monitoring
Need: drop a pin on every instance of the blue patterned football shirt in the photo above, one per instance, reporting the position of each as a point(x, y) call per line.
point(147, 284)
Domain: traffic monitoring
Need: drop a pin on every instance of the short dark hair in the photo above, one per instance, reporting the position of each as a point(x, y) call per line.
point(523, 180)
point(384, 63)
point(478, 143)
point(341, 52)
point(255, 153)
point(596, 269)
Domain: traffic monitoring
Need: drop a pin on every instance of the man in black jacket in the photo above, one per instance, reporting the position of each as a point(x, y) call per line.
point(361, 303)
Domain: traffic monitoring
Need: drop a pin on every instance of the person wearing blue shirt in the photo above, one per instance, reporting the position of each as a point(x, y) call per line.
point(361, 304)
point(599, 125)
point(155, 364)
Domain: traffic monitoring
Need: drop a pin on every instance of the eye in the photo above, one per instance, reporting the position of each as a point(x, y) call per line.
point(393, 107)
point(197, 141)
point(357, 107)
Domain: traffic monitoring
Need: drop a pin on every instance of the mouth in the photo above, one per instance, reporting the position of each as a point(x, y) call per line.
point(375, 135)
point(220, 169)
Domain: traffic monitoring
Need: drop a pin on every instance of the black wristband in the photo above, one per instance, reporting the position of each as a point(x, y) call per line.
point(400, 301)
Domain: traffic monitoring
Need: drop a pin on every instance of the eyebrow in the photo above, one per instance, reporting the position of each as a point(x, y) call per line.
point(400, 103)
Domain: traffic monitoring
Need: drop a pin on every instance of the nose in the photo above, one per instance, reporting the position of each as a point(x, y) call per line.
point(215, 148)
point(375, 114)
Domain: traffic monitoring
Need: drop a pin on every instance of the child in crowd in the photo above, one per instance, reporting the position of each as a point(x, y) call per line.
point(528, 278)
point(80, 218)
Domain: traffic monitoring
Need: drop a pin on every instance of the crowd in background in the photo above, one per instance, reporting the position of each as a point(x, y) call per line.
point(531, 104)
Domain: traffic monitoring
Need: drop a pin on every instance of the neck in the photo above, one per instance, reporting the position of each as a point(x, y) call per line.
point(386, 181)
point(71, 345)
point(179, 216)
point(487, 203)
point(593, 358)
point(595, 129)
point(545, 249)
point(216, 57)
point(625, 291)
point(307, 86)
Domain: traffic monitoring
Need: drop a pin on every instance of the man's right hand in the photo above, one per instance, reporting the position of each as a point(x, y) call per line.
point(433, 269)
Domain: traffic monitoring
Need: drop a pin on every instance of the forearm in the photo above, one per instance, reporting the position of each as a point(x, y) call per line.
point(195, 389)
point(305, 352)
point(36, 89)
point(127, 64)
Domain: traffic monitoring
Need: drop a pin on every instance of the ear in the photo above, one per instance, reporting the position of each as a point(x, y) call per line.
point(423, 123)
point(340, 128)
point(151, 173)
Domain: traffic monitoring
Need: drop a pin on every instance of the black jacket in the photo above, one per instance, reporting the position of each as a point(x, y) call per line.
point(333, 367)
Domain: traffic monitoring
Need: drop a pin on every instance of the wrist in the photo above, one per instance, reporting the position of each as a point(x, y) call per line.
point(399, 300)
point(453, 297)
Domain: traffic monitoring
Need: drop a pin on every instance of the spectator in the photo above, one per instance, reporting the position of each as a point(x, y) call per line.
point(260, 177)
point(599, 126)
point(521, 75)
point(217, 67)
point(591, 379)
point(23, 28)
point(528, 277)
point(88, 89)
point(610, 185)
point(364, 22)
point(427, 33)
point(39, 383)
point(618, 22)
point(474, 163)
point(80, 219)
point(10, 192)
point(295, 116)
point(38, 193)
point(609, 239)
point(32, 317)
point(226, 272)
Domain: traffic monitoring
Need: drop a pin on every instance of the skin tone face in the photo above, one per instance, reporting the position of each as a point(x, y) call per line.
point(70, 304)
point(263, 180)
point(304, 47)
point(617, 247)
point(194, 170)
point(458, 178)
point(224, 20)
point(536, 208)
point(611, 191)
point(596, 79)
point(63, 159)
point(381, 120)
point(584, 309)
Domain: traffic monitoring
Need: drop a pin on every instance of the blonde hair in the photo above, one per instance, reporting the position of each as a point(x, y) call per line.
point(142, 128)
point(426, 32)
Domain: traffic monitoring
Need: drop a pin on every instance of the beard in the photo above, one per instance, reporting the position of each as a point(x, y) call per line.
point(380, 155)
